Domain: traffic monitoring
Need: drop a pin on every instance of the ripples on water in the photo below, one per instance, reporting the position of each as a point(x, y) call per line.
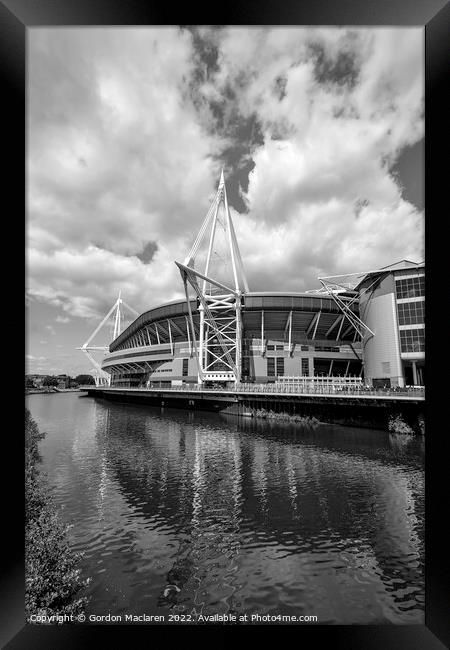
point(183, 512)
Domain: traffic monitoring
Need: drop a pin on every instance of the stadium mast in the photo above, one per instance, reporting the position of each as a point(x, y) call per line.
point(219, 282)
point(100, 376)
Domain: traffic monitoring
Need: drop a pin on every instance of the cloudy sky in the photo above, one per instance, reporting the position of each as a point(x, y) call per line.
point(320, 133)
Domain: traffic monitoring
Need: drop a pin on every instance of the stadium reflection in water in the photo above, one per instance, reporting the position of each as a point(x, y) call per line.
point(183, 512)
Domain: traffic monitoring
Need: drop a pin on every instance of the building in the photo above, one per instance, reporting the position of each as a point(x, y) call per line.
point(64, 381)
point(371, 327)
point(392, 304)
point(283, 334)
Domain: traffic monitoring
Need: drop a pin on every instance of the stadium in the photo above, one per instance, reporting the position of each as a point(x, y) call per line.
point(366, 326)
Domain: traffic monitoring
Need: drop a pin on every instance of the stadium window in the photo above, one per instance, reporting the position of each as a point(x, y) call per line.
point(411, 313)
point(410, 287)
point(412, 340)
point(304, 348)
point(305, 367)
point(271, 366)
point(185, 367)
point(325, 348)
point(280, 366)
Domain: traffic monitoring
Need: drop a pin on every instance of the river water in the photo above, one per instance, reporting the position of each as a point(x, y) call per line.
point(189, 513)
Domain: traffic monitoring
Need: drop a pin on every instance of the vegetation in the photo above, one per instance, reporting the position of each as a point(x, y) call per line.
point(50, 381)
point(421, 425)
point(398, 425)
point(52, 579)
point(284, 417)
point(84, 380)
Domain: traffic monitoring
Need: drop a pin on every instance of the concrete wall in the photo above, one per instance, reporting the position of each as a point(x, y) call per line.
point(381, 351)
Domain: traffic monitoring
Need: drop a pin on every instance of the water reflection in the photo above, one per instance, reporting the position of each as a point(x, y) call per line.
point(206, 514)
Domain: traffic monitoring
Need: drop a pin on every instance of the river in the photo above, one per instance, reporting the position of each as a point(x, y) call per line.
point(201, 513)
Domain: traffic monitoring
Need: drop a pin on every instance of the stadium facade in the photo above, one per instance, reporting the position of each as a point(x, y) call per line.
point(367, 325)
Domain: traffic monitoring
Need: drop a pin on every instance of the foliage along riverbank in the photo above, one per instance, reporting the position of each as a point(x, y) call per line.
point(52, 577)
point(283, 417)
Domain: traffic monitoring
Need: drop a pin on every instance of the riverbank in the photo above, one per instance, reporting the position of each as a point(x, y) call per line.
point(52, 577)
point(52, 389)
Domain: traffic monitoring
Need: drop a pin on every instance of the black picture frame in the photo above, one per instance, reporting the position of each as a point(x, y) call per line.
point(16, 16)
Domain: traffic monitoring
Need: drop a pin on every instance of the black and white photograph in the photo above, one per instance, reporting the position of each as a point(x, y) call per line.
point(225, 326)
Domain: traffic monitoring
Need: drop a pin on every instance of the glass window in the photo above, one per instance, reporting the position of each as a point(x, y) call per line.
point(185, 367)
point(271, 366)
point(326, 348)
point(412, 340)
point(410, 287)
point(280, 366)
point(305, 367)
point(411, 313)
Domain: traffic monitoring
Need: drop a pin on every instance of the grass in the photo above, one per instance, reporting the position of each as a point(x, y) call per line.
point(52, 576)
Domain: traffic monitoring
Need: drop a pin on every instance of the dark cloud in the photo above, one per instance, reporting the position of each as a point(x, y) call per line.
point(148, 252)
point(206, 53)
point(360, 204)
point(341, 70)
point(280, 87)
point(409, 171)
point(241, 133)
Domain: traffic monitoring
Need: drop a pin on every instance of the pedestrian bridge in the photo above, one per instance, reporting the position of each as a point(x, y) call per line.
point(303, 389)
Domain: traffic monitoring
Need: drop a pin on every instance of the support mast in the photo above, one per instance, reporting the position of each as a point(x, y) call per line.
point(219, 284)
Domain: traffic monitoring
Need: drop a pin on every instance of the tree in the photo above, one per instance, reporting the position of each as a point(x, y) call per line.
point(84, 379)
point(53, 582)
point(50, 381)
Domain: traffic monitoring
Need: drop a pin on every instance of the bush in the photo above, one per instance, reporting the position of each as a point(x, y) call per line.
point(52, 579)
point(421, 424)
point(284, 417)
point(84, 380)
point(398, 425)
point(50, 381)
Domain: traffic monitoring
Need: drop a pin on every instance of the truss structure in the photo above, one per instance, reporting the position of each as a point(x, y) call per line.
point(215, 272)
point(101, 377)
point(334, 285)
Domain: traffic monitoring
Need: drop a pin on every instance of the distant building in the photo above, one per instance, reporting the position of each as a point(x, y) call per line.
point(63, 381)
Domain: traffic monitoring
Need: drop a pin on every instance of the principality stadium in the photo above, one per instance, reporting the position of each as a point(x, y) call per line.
point(364, 326)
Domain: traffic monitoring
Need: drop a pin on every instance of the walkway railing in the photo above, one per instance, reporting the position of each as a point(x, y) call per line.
point(280, 389)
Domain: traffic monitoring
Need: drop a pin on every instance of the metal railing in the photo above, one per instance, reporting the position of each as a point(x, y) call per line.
point(277, 389)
